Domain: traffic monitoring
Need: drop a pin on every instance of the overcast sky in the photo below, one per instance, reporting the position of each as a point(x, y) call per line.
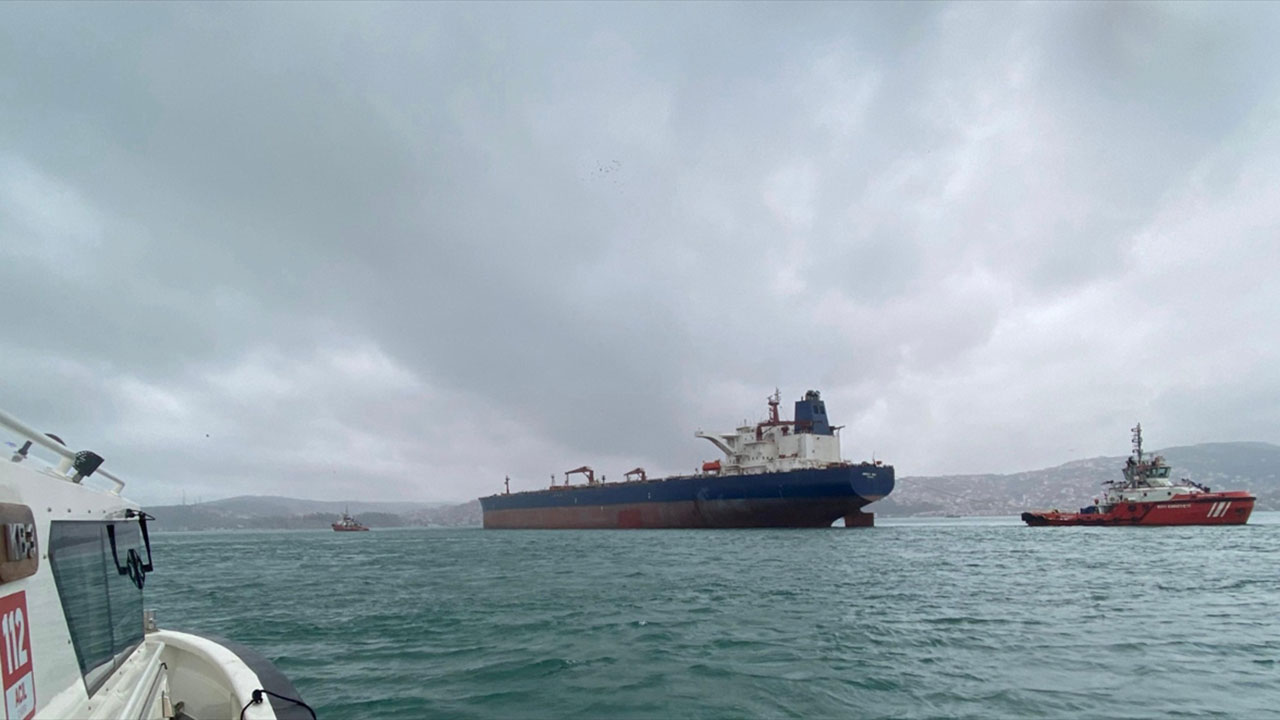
point(400, 251)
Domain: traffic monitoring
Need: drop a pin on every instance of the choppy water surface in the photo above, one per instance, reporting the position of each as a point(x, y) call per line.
point(909, 620)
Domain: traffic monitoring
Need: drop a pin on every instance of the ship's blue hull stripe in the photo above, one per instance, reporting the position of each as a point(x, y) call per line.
point(867, 481)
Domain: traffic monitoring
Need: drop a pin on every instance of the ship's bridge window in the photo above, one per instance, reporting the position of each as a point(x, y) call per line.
point(103, 607)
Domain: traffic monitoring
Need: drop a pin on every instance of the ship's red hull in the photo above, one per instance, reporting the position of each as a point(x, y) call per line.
point(817, 512)
point(340, 528)
point(1220, 508)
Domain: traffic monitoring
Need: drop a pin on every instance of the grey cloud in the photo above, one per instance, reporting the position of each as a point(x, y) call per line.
point(592, 229)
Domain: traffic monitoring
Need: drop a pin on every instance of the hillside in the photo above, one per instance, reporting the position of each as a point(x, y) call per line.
point(248, 512)
point(267, 505)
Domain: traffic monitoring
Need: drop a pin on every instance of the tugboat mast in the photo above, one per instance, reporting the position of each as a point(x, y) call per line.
point(1134, 470)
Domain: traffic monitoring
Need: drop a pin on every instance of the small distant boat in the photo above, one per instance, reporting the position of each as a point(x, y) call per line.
point(1146, 496)
point(348, 524)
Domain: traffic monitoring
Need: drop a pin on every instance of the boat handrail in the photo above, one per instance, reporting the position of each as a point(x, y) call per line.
point(144, 693)
point(48, 443)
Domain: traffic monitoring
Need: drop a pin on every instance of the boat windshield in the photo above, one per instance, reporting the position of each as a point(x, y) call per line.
point(103, 606)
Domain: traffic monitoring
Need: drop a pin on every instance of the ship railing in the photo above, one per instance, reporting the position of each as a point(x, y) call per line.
point(48, 443)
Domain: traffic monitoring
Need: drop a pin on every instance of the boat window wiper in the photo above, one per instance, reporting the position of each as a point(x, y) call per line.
point(133, 565)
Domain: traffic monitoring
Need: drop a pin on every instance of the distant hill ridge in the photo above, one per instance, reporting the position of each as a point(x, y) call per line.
point(264, 505)
point(1253, 466)
point(269, 512)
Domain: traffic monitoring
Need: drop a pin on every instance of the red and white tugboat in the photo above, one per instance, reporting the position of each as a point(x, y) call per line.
point(1148, 497)
point(348, 524)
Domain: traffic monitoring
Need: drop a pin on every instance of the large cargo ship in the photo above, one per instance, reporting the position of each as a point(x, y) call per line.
point(1147, 496)
point(775, 473)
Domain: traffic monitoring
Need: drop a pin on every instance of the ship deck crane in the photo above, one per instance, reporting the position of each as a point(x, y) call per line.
point(584, 470)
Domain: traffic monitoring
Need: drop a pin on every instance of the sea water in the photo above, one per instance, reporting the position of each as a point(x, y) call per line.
point(980, 618)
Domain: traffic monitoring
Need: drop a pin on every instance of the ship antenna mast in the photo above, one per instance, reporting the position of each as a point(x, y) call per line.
point(774, 399)
point(1137, 442)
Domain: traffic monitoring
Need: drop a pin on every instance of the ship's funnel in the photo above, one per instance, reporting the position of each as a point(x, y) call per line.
point(811, 415)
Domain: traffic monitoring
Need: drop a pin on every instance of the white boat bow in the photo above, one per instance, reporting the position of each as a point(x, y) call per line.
point(74, 560)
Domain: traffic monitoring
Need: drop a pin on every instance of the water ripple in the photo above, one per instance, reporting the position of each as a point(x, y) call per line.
point(969, 619)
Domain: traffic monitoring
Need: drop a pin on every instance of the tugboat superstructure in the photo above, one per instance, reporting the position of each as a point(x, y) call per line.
point(348, 524)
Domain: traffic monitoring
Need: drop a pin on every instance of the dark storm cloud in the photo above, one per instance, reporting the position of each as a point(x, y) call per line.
point(403, 250)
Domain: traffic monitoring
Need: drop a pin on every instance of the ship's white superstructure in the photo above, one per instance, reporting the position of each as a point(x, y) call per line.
point(776, 445)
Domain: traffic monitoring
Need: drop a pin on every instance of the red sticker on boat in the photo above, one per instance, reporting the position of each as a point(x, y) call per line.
point(15, 659)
